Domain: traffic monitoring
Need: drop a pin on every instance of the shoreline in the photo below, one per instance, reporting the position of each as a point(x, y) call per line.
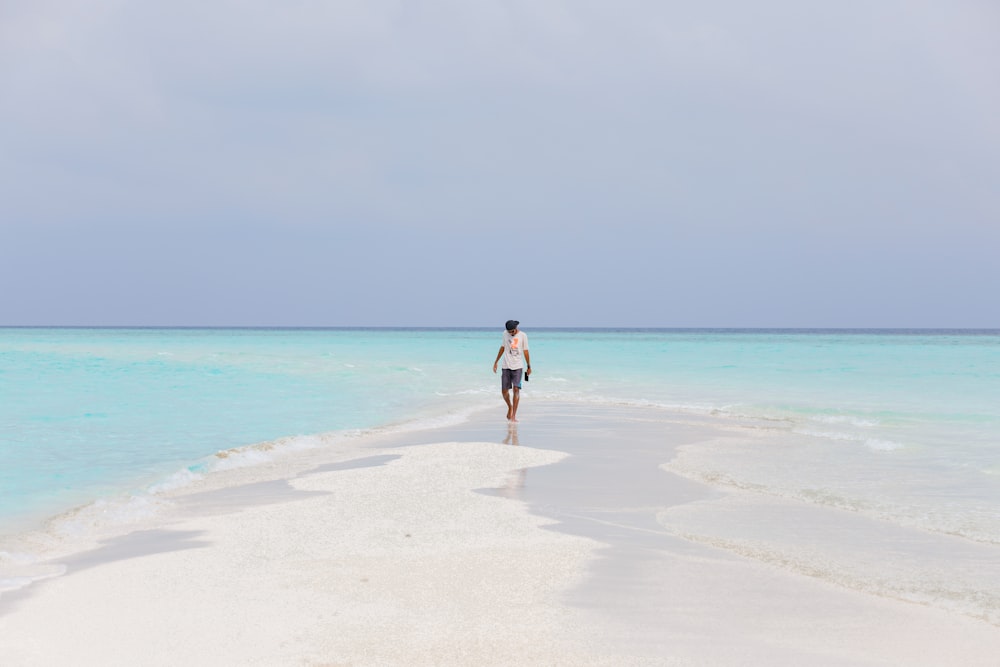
point(115, 510)
point(390, 543)
point(475, 542)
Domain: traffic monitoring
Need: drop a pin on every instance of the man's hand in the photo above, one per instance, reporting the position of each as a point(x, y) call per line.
point(494, 366)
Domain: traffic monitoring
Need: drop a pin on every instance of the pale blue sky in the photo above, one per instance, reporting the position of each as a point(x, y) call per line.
point(565, 163)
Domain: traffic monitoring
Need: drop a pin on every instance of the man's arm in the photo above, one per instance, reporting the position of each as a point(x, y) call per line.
point(527, 358)
point(497, 360)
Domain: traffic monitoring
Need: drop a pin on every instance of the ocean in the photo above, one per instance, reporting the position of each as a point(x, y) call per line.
point(902, 426)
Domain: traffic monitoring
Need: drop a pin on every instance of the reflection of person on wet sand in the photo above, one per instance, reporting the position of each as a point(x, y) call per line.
point(515, 480)
point(516, 359)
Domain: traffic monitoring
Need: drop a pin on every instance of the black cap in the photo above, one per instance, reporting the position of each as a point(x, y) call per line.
point(512, 324)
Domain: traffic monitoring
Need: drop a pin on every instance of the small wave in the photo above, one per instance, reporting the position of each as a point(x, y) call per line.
point(695, 408)
point(438, 421)
point(883, 445)
point(33, 552)
point(14, 583)
point(845, 419)
point(256, 454)
point(829, 435)
point(106, 512)
point(743, 412)
point(465, 392)
point(177, 480)
point(876, 444)
point(14, 558)
point(18, 570)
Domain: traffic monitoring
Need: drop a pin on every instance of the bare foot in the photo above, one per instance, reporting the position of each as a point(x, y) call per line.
point(508, 415)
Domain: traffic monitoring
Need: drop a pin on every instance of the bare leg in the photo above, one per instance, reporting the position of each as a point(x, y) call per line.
point(517, 399)
point(506, 399)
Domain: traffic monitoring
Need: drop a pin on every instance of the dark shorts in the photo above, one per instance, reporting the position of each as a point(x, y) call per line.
point(511, 378)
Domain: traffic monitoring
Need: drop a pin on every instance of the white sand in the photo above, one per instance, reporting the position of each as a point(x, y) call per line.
point(396, 564)
point(308, 562)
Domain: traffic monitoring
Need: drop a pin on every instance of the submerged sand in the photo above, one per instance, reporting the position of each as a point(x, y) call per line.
point(476, 544)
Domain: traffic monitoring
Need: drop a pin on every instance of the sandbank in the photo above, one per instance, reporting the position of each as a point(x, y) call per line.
point(481, 543)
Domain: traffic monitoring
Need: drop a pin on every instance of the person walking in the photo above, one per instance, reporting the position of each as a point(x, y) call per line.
point(516, 360)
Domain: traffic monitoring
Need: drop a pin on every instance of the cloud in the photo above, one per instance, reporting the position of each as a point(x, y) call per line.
point(645, 138)
point(351, 110)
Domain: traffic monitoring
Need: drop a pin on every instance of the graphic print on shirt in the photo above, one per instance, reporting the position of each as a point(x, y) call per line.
point(515, 350)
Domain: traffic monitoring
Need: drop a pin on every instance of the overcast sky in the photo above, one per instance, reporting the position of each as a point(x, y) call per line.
point(561, 162)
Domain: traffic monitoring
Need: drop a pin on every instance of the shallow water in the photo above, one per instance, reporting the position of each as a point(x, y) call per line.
point(902, 426)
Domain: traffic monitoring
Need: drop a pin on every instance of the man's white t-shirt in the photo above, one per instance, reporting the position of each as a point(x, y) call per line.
point(513, 346)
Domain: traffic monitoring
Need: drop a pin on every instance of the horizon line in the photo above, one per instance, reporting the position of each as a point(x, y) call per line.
point(356, 327)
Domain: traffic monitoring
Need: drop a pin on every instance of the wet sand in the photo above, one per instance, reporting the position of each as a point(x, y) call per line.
point(481, 543)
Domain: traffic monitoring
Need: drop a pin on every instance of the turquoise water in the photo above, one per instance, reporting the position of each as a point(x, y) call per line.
point(92, 412)
point(904, 425)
